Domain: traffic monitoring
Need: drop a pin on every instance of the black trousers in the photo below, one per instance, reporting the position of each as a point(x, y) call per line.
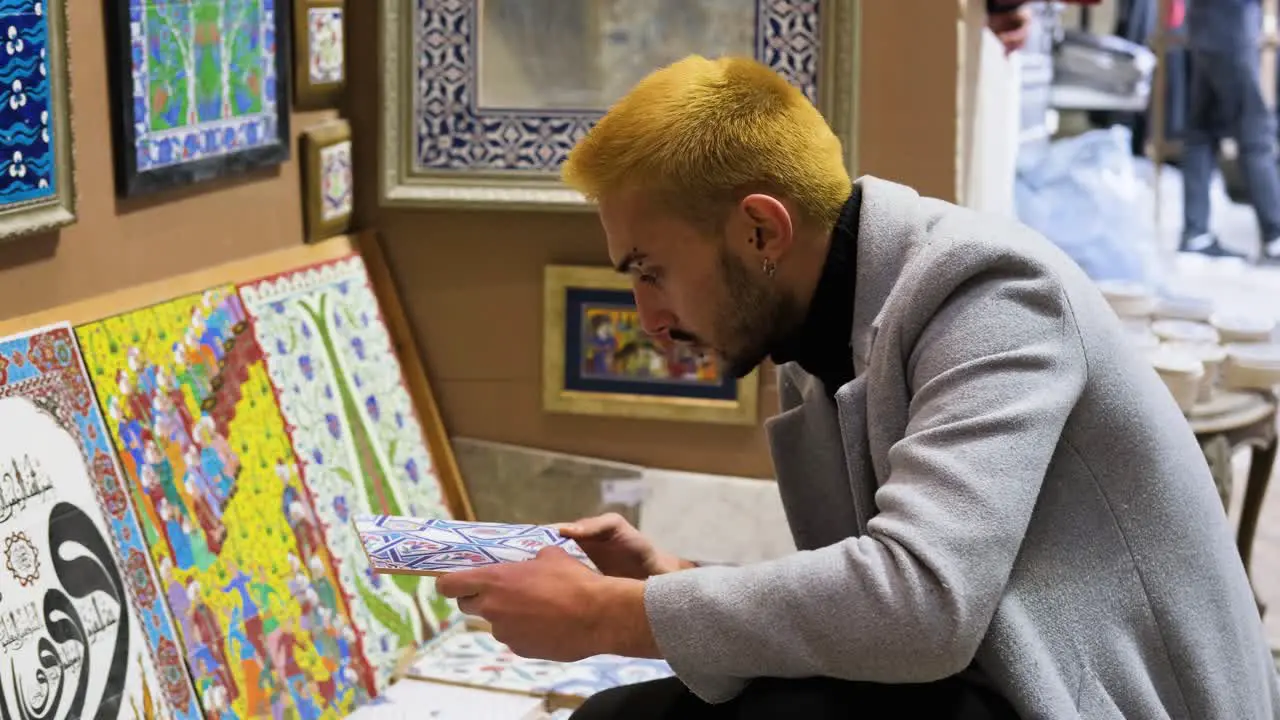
point(808, 699)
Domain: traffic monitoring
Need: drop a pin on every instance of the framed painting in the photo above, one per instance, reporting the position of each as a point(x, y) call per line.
point(38, 190)
point(598, 361)
point(200, 90)
point(328, 187)
point(85, 629)
point(360, 441)
point(319, 65)
point(224, 514)
point(483, 99)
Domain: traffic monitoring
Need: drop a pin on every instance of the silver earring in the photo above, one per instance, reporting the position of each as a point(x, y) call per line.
point(770, 268)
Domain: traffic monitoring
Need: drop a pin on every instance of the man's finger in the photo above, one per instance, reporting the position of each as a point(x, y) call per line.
point(593, 527)
point(469, 605)
point(462, 583)
point(552, 552)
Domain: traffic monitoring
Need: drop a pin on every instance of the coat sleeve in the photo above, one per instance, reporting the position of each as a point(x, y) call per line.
point(994, 375)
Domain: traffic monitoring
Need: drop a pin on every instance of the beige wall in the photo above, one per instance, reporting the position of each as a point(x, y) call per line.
point(470, 281)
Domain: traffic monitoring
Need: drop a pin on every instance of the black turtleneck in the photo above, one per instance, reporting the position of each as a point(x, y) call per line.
point(821, 345)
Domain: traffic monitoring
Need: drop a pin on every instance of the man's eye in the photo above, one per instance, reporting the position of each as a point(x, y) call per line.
point(649, 278)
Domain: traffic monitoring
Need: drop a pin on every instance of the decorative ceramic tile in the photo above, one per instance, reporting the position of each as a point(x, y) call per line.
point(207, 462)
point(434, 547)
point(325, 35)
point(476, 659)
point(589, 676)
point(336, 181)
point(356, 434)
point(577, 56)
point(72, 552)
point(205, 87)
point(411, 699)
point(26, 104)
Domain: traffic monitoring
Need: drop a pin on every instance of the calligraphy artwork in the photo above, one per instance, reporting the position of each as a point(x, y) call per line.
point(356, 434)
point(83, 629)
point(418, 546)
point(230, 526)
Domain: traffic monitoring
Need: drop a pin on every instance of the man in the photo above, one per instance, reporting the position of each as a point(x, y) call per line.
point(999, 507)
point(1223, 37)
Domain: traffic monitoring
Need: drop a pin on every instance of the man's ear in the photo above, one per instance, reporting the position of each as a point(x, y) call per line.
point(769, 227)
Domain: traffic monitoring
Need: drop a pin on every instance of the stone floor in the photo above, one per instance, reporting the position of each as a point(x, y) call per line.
point(1234, 284)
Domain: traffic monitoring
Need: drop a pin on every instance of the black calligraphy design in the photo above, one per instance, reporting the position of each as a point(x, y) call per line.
point(70, 627)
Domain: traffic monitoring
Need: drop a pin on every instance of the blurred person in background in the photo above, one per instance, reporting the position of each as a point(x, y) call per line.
point(1226, 101)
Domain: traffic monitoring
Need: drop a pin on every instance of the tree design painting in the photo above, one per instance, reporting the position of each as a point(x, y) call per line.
point(203, 83)
point(355, 432)
point(204, 61)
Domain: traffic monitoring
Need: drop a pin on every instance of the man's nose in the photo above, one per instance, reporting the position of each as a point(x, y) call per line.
point(655, 320)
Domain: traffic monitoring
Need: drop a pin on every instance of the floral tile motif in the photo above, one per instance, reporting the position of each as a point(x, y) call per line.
point(474, 658)
point(336, 187)
point(457, 128)
point(411, 699)
point(433, 547)
point(357, 437)
point(325, 40)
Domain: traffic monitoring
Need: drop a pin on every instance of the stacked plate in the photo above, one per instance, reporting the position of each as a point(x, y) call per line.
point(1182, 372)
point(1252, 366)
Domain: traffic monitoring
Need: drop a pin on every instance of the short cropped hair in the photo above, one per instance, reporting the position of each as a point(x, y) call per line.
point(699, 134)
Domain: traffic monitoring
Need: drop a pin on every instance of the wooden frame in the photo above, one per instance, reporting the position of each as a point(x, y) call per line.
point(327, 186)
point(234, 273)
point(446, 168)
point(57, 209)
point(568, 293)
point(144, 160)
point(312, 92)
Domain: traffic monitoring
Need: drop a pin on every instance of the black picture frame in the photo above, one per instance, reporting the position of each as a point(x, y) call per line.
point(130, 182)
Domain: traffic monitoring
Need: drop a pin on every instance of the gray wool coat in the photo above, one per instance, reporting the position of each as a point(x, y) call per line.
point(1006, 489)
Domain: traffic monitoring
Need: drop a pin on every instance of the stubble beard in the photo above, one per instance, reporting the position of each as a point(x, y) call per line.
point(757, 314)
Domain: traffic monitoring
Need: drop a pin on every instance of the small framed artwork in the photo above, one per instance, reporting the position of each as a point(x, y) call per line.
point(484, 99)
point(38, 191)
point(200, 90)
point(319, 68)
point(597, 360)
point(328, 192)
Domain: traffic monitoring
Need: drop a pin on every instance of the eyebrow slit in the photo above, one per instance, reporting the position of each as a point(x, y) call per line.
point(624, 266)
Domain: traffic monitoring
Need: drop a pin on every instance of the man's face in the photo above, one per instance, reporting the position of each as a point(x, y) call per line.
point(709, 293)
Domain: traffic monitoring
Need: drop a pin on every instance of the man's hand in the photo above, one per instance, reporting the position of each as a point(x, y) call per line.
point(618, 549)
point(555, 608)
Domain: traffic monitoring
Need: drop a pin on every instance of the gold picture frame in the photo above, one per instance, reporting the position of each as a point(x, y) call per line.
point(51, 128)
point(445, 145)
point(577, 381)
point(328, 182)
point(319, 81)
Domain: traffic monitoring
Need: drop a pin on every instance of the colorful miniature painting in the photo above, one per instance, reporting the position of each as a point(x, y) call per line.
point(476, 659)
point(426, 546)
point(325, 40)
point(229, 524)
point(204, 86)
point(357, 436)
point(335, 181)
point(608, 352)
point(84, 628)
point(26, 105)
